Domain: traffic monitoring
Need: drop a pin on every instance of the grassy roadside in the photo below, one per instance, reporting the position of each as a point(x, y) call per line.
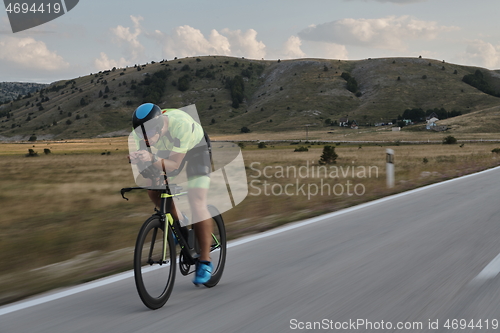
point(63, 221)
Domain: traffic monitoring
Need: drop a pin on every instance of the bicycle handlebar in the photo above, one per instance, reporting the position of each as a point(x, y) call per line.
point(174, 189)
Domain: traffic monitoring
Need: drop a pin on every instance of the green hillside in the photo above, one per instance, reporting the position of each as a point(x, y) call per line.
point(233, 92)
point(11, 90)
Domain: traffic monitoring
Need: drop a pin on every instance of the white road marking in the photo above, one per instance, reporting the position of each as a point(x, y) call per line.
point(489, 270)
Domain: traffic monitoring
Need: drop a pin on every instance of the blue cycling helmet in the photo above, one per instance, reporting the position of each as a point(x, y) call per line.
point(144, 113)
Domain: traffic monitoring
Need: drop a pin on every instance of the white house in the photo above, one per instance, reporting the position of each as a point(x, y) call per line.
point(431, 123)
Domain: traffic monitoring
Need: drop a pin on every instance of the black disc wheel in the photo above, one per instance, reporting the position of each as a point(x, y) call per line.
point(154, 263)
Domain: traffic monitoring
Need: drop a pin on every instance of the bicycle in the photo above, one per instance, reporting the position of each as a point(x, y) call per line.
point(155, 250)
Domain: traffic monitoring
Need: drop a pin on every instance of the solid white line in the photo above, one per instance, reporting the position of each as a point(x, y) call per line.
point(493, 267)
point(489, 272)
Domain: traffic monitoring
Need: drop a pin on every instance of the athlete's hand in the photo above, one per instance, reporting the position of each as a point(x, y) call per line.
point(140, 156)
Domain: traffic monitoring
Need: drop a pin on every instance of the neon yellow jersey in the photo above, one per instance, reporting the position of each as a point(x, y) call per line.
point(183, 132)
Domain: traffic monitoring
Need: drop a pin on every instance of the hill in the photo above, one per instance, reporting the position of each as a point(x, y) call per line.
point(10, 91)
point(233, 92)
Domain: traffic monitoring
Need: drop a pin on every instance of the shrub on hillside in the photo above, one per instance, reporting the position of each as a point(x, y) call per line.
point(449, 140)
point(31, 153)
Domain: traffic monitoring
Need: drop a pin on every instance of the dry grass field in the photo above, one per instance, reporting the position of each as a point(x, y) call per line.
point(378, 134)
point(63, 220)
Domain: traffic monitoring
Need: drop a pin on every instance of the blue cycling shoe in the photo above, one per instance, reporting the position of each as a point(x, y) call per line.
point(203, 272)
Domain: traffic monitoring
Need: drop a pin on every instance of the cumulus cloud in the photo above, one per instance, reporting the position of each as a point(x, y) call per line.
point(104, 63)
point(328, 50)
point(29, 53)
point(186, 41)
point(245, 43)
point(124, 35)
point(481, 53)
point(291, 48)
point(385, 33)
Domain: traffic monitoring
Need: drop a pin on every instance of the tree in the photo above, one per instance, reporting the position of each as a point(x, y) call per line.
point(245, 129)
point(477, 81)
point(262, 145)
point(329, 156)
point(106, 91)
point(183, 83)
point(32, 138)
point(236, 86)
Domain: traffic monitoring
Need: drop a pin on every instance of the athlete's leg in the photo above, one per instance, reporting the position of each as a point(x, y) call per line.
point(202, 220)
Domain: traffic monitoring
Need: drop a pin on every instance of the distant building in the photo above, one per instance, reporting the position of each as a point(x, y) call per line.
point(343, 122)
point(354, 124)
point(431, 123)
point(432, 115)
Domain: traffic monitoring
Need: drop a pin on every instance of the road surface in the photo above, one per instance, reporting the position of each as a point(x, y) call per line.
point(408, 261)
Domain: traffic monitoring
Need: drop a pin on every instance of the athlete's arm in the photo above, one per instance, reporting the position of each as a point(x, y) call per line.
point(172, 163)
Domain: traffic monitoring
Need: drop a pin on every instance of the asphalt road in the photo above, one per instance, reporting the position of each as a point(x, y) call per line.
point(416, 259)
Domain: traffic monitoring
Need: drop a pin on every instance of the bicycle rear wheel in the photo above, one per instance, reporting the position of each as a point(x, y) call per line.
point(154, 278)
point(218, 247)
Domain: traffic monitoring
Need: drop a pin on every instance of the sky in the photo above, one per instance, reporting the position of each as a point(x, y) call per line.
point(100, 35)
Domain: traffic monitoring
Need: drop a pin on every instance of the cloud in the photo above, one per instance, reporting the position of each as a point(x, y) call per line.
point(245, 43)
point(327, 50)
point(29, 53)
point(481, 53)
point(385, 33)
point(185, 41)
point(123, 35)
point(291, 48)
point(104, 63)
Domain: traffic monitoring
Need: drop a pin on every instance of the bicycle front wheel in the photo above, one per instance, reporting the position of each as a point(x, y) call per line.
point(154, 271)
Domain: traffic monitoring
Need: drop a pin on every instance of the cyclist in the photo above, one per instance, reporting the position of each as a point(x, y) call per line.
point(177, 137)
